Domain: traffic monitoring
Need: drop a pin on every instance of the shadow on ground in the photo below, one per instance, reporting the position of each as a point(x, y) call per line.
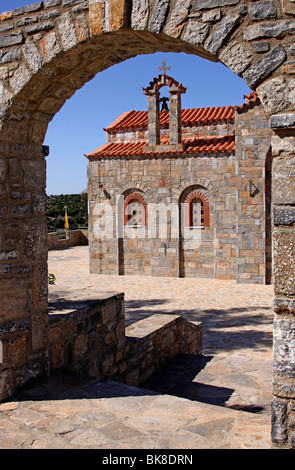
point(220, 326)
point(138, 309)
point(176, 379)
point(69, 385)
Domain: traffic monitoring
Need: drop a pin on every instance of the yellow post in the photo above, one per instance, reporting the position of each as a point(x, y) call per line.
point(66, 223)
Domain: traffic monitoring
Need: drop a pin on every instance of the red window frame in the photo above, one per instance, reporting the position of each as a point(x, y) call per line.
point(187, 206)
point(138, 197)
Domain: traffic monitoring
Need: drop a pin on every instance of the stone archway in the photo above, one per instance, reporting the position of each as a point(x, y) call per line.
point(50, 49)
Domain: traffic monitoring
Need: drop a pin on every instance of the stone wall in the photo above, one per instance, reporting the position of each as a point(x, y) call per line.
point(74, 238)
point(283, 183)
point(219, 128)
point(254, 200)
point(154, 341)
point(89, 337)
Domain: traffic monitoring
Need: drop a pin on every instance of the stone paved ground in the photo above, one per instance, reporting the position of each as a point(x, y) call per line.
point(217, 401)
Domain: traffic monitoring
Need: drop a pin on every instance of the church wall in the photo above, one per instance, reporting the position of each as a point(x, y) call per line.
point(253, 136)
point(237, 243)
point(124, 135)
point(162, 181)
point(214, 128)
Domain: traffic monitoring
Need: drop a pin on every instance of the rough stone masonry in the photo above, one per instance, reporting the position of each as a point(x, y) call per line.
point(50, 49)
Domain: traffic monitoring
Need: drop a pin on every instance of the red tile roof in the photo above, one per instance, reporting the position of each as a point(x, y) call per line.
point(210, 144)
point(189, 117)
point(252, 98)
point(203, 144)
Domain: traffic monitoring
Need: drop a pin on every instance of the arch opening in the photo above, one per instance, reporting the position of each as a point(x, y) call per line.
point(47, 71)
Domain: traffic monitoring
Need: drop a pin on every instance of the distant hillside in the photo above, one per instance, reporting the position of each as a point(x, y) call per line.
point(76, 209)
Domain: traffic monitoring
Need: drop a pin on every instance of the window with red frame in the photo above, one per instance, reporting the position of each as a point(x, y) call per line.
point(196, 213)
point(134, 210)
point(196, 210)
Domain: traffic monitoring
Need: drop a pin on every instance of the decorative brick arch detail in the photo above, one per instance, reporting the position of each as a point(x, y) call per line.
point(187, 208)
point(134, 196)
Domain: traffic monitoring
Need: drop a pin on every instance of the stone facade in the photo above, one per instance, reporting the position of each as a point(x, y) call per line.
point(233, 239)
point(50, 49)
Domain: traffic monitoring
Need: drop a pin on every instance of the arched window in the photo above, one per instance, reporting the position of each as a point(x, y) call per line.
point(196, 213)
point(196, 210)
point(134, 210)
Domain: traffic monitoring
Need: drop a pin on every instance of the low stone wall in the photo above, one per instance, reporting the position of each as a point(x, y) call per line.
point(89, 337)
point(75, 238)
point(154, 341)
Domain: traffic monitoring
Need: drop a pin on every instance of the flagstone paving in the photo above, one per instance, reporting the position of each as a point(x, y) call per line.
point(218, 400)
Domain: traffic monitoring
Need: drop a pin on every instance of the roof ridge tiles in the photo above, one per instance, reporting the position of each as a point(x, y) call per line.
point(139, 119)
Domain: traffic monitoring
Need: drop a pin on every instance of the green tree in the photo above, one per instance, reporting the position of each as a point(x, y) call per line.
point(76, 210)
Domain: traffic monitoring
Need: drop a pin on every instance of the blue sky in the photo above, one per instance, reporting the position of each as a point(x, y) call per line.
point(77, 129)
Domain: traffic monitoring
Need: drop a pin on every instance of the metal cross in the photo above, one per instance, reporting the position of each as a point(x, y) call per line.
point(164, 68)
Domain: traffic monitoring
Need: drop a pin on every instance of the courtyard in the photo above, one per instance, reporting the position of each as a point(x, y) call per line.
point(236, 318)
point(219, 400)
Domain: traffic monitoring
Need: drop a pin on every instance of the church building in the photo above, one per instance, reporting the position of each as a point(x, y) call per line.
point(183, 192)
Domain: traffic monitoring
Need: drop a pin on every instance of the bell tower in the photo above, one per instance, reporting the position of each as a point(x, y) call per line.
point(154, 122)
point(175, 114)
